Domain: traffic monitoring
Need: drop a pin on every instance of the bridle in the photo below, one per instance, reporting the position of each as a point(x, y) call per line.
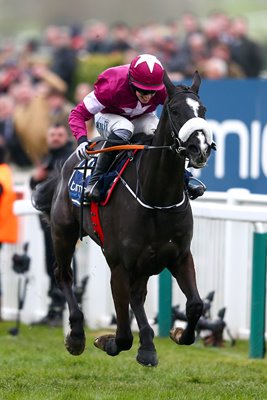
point(178, 144)
point(196, 122)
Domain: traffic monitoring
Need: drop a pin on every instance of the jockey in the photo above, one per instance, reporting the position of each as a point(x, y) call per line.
point(123, 103)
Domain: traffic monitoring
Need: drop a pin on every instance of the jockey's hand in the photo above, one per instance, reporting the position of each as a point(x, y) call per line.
point(81, 151)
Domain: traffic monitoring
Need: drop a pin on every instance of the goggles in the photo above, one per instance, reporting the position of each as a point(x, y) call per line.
point(144, 92)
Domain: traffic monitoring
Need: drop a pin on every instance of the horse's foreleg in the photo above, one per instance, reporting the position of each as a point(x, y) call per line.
point(123, 340)
point(184, 273)
point(146, 353)
point(64, 247)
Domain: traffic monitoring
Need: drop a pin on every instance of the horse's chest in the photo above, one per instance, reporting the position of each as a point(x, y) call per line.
point(157, 256)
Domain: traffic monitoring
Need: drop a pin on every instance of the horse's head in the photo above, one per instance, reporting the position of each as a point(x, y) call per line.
point(190, 130)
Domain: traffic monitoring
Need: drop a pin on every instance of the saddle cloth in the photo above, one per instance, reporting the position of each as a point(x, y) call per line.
point(75, 184)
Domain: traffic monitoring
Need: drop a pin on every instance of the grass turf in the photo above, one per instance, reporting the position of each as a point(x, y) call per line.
point(35, 365)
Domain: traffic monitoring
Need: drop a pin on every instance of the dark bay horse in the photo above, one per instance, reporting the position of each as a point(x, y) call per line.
point(147, 226)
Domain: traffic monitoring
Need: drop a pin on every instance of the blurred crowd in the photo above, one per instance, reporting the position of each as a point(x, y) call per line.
point(37, 75)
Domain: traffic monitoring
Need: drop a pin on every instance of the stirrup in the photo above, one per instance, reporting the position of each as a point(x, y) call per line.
point(195, 188)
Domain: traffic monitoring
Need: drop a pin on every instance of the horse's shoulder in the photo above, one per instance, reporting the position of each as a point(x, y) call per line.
point(69, 164)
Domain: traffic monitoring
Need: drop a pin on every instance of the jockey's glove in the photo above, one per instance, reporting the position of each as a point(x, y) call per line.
point(81, 149)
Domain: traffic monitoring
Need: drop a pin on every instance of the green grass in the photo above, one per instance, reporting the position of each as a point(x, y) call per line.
point(35, 365)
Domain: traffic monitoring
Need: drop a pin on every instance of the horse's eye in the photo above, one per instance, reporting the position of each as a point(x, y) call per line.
point(175, 112)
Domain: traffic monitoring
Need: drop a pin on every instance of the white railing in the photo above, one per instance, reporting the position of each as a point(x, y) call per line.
point(228, 225)
point(222, 250)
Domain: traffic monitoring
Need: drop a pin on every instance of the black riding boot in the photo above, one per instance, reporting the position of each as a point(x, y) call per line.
point(194, 186)
point(104, 161)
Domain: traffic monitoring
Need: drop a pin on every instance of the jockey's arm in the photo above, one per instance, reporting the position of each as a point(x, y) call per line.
point(83, 112)
point(77, 118)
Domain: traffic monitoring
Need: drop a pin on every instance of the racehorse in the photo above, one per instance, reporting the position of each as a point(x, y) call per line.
point(147, 226)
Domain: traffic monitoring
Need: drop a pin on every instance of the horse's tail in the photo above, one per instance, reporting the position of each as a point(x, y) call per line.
point(42, 195)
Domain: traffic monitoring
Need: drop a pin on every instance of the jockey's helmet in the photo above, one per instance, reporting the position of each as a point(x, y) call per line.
point(146, 72)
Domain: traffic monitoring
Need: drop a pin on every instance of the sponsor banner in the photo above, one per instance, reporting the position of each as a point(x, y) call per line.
point(237, 114)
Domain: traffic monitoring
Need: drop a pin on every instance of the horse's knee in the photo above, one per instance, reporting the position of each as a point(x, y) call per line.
point(63, 276)
point(194, 309)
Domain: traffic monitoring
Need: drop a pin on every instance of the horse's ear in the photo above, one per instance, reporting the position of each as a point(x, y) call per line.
point(170, 87)
point(196, 82)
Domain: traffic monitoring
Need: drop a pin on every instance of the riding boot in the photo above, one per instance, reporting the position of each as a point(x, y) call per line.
point(194, 186)
point(103, 163)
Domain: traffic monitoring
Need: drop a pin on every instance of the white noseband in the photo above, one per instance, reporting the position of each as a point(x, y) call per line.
point(195, 124)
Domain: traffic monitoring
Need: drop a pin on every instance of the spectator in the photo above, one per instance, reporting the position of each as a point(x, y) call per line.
point(191, 57)
point(214, 68)
point(96, 36)
point(245, 52)
point(33, 114)
point(15, 151)
point(222, 51)
point(189, 24)
point(64, 59)
point(60, 149)
point(8, 221)
point(120, 41)
point(58, 109)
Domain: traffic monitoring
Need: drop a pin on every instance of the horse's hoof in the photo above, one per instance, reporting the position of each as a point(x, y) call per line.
point(179, 337)
point(147, 358)
point(75, 344)
point(107, 343)
point(176, 334)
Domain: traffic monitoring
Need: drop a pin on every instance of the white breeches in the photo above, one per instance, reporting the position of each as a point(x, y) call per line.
point(125, 129)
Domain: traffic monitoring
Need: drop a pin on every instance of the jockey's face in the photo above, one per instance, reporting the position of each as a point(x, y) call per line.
point(144, 95)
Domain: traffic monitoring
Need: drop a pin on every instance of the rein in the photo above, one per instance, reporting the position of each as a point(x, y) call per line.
point(124, 147)
point(171, 207)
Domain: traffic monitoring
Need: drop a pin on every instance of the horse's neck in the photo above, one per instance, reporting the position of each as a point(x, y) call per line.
point(162, 171)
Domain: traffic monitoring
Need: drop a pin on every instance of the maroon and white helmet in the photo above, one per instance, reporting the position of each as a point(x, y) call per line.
point(146, 72)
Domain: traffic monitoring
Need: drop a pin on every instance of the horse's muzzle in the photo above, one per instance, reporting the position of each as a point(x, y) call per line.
point(197, 159)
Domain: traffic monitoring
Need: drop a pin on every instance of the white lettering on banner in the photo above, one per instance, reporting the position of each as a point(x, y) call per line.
point(252, 148)
point(222, 130)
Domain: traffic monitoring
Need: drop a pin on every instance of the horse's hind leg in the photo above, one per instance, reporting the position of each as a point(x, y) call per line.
point(185, 276)
point(123, 339)
point(64, 246)
point(146, 355)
